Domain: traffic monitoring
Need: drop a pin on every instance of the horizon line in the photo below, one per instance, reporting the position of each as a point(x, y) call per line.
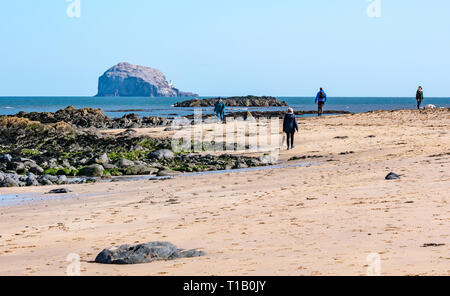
point(222, 96)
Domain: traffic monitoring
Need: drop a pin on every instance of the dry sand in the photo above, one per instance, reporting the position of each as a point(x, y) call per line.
point(319, 220)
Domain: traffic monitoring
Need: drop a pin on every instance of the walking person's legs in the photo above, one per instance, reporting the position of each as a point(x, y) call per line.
point(220, 116)
point(288, 140)
point(292, 140)
point(419, 102)
point(320, 111)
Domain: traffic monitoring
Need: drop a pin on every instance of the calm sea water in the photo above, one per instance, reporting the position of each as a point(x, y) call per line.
point(164, 106)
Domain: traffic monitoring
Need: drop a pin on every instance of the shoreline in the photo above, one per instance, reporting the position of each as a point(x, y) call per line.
point(161, 107)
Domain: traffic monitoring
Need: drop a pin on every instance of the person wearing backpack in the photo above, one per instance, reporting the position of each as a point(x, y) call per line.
point(419, 97)
point(321, 99)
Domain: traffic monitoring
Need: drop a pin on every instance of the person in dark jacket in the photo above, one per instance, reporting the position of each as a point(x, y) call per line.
point(419, 97)
point(290, 126)
point(219, 109)
point(321, 99)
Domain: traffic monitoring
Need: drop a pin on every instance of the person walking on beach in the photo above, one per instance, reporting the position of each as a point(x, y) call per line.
point(321, 99)
point(290, 126)
point(419, 97)
point(219, 109)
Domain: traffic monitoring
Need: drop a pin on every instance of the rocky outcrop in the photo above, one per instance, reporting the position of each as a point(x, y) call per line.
point(95, 118)
point(144, 253)
point(15, 180)
point(248, 101)
point(127, 80)
point(33, 153)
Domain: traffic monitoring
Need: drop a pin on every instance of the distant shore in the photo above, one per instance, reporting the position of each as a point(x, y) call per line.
point(163, 107)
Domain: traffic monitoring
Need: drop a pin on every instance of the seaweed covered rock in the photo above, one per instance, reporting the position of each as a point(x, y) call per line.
point(36, 153)
point(92, 118)
point(94, 170)
point(161, 154)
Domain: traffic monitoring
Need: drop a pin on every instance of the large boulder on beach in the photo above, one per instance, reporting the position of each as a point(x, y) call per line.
point(127, 80)
point(162, 154)
point(94, 170)
point(144, 253)
point(140, 170)
point(124, 163)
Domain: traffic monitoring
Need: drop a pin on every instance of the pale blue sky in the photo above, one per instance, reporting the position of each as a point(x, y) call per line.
point(233, 47)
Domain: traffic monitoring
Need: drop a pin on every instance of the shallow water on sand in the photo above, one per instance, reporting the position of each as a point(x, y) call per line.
point(8, 200)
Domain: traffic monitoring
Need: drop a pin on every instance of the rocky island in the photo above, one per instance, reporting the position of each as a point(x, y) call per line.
point(248, 101)
point(127, 80)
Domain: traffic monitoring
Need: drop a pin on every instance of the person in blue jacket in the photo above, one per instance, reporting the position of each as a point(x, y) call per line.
point(290, 126)
point(321, 99)
point(219, 109)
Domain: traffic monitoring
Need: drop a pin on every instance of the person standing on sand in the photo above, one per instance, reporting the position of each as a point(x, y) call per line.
point(321, 99)
point(419, 97)
point(290, 126)
point(219, 109)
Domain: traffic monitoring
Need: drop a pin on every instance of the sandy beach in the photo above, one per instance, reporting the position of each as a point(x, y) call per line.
point(320, 219)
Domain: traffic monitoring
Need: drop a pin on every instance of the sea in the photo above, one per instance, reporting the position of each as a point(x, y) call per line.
point(163, 107)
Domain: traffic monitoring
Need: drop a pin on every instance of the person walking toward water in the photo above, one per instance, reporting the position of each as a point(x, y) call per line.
point(219, 109)
point(290, 126)
point(321, 99)
point(419, 97)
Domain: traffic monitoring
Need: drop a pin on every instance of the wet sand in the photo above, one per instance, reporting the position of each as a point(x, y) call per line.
point(319, 220)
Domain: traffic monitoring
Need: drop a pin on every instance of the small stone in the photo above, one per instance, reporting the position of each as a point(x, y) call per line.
point(5, 158)
point(60, 191)
point(392, 176)
point(167, 173)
